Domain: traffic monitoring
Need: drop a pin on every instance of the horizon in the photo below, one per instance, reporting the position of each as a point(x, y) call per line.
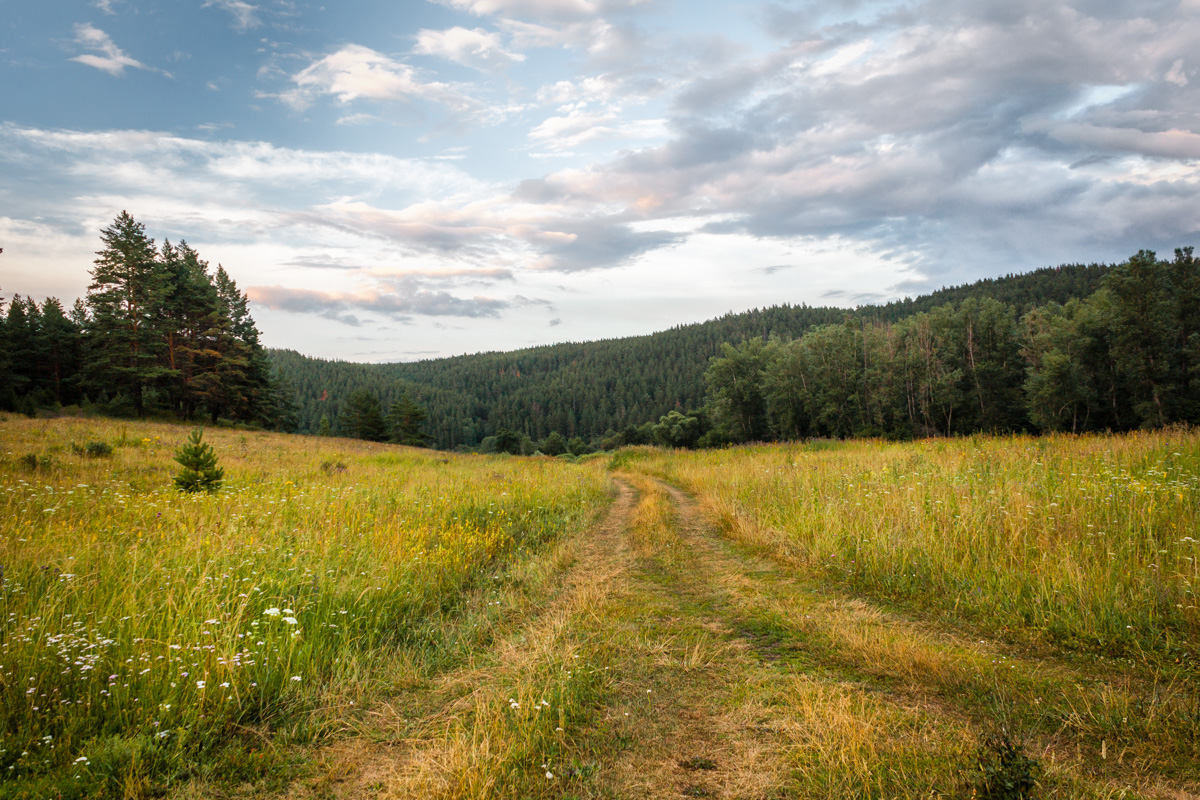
point(396, 184)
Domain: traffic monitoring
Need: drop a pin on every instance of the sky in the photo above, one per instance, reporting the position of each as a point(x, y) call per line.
point(390, 180)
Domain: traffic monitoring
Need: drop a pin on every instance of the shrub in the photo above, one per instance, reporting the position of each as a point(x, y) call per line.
point(200, 472)
point(93, 449)
point(1005, 772)
point(34, 462)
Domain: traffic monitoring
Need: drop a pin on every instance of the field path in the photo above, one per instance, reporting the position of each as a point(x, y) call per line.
point(658, 658)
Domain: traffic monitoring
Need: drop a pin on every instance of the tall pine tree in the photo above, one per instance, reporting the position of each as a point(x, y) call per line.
point(128, 285)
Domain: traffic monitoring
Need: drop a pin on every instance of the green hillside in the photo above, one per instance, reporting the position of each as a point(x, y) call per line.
point(583, 389)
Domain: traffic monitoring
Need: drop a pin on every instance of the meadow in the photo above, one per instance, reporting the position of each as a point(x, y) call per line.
point(828, 619)
point(150, 634)
point(1090, 543)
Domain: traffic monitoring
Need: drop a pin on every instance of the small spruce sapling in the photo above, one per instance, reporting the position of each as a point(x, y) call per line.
point(200, 472)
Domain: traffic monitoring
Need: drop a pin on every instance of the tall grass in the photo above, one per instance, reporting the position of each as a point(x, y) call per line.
point(142, 626)
point(1088, 542)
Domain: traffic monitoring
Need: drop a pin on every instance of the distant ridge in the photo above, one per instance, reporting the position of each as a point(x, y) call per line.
point(587, 388)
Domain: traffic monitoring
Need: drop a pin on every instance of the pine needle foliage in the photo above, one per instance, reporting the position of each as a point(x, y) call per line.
point(200, 472)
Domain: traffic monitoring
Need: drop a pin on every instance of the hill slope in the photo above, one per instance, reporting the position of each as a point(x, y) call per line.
point(585, 388)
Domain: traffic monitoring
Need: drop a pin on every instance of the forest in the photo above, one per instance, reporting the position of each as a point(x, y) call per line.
point(1125, 357)
point(1069, 348)
point(159, 332)
point(666, 387)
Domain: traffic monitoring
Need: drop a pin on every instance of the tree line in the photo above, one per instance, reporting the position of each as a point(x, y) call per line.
point(613, 391)
point(1075, 347)
point(1126, 356)
point(158, 331)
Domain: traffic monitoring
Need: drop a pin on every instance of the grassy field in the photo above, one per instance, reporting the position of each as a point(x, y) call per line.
point(843, 620)
point(151, 635)
point(1091, 543)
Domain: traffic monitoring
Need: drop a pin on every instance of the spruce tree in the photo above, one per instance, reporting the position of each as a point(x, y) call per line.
point(200, 472)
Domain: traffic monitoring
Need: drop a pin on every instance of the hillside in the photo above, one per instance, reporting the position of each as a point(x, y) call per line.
point(586, 388)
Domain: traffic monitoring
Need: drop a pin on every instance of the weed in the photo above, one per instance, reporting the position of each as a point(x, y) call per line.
point(1004, 772)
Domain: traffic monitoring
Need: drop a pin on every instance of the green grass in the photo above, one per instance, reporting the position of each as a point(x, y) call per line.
point(143, 629)
point(1088, 543)
point(345, 619)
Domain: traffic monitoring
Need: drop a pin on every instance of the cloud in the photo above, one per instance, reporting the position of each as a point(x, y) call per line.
point(245, 15)
point(537, 9)
point(360, 73)
point(397, 305)
point(473, 48)
point(926, 133)
point(1177, 75)
point(580, 127)
point(1175, 144)
point(106, 56)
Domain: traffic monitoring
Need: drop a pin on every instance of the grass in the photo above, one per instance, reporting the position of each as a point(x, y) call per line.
point(986, 617)
point(145, 629)
point(1088, 543)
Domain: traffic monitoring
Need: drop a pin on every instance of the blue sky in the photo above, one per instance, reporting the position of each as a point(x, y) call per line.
point(397, 180)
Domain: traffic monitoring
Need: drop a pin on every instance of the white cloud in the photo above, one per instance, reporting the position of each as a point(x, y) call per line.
point(579, 127)
point(245, 15)
point(1176, 75)
point(473, 48)
point(107, 56)
point(360, 73)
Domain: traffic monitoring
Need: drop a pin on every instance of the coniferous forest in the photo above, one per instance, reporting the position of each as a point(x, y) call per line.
point(1070, 348)
point(1060, 348)
point(158, 332)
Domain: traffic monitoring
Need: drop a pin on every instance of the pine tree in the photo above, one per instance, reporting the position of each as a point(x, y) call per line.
point(405, 420)
point(126, 290)
point(8, 394)
point(189, 310)
point(200, 472)
point(362, 418)
point(62, 352)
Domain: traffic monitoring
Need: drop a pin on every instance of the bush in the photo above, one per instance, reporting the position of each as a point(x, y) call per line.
point(93, 449)
point(200, 472)
point(34, 462)
point(1005, 772)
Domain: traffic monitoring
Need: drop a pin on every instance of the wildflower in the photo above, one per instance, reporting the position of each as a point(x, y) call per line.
point(199, 684)
point(549, 775)
point(296, 678)
point(290, 620)
point(272, 612)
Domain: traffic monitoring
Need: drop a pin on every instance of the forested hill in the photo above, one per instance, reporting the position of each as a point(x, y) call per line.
point(585, 389)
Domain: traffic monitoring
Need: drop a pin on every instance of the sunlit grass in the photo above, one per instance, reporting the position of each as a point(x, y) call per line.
point(1088, 542)
point(142, 626)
